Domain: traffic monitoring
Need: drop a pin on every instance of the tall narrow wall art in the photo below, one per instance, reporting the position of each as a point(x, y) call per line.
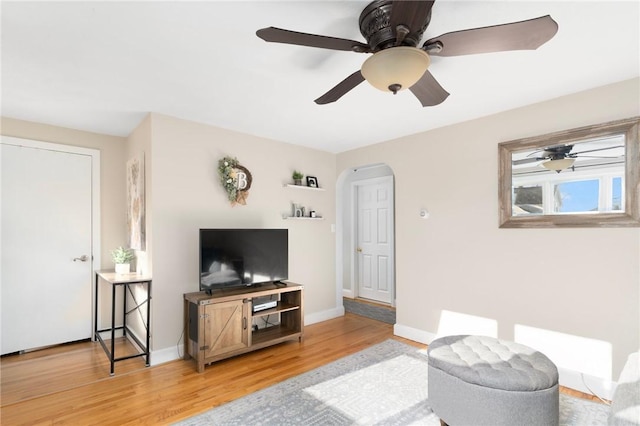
point(135, 203)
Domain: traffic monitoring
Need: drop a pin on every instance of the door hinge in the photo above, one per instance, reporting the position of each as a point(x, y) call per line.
point(203, 348)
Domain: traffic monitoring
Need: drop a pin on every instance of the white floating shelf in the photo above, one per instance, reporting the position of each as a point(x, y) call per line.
point(288, 185)
point(301, 218)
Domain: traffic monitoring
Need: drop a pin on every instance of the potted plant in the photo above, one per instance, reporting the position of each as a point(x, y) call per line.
point(122, 257)
point(297, 177)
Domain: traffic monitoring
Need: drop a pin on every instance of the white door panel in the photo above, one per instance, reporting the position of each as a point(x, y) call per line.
point(46, 223)
point(383, 274)
point(374, 239)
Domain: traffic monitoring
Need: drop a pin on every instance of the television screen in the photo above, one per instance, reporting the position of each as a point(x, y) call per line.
point(242, 257)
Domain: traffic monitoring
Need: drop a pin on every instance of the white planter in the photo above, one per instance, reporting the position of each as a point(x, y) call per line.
point(123, 268)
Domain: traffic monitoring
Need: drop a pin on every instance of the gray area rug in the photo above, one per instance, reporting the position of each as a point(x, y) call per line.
point(385, 384)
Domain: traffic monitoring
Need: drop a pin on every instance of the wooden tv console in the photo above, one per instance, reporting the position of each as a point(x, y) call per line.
point(220, 325)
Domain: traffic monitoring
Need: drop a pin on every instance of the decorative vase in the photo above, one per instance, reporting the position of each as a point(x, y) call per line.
point(298, 210)
point(297, 181)
point(123, 268)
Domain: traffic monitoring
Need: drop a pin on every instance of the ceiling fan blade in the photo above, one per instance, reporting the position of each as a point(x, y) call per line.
point(527, 160)
point(278, 35)
point(597, 149)
point(602, 156)
point(410, 14)
point(341, 88)
point(523, 35)
point(428, 90)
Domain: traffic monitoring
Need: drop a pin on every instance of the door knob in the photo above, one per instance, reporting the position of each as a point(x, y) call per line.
point(82, 258)
point(359, 250)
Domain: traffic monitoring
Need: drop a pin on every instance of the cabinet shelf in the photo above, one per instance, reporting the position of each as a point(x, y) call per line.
point(282, 307)
point(265, 336)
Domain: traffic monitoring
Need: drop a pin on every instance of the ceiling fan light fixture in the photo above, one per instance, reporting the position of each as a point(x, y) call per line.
point(558, 165)
point(395, 68)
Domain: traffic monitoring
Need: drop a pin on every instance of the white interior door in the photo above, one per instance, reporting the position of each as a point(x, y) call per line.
point(46, 246)
point(374, 239)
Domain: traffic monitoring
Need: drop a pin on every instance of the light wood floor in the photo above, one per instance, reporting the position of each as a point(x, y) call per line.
point(71, 384)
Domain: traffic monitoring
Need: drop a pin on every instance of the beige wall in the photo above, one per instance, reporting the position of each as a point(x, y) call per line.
point(112, 174)
point(187, 196)
point(580, 282)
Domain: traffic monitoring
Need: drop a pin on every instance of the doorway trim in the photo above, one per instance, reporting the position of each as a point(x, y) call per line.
point(344, 234)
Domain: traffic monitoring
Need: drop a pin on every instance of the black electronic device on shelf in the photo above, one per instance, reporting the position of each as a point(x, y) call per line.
point(242, 257)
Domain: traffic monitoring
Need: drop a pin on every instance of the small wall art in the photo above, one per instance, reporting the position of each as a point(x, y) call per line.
point(312, 182)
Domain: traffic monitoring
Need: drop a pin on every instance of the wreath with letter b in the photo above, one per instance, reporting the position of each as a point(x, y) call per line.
point(236, 180)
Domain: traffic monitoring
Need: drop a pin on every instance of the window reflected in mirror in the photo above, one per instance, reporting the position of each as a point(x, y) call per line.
point(582, 178)
point(587, 177)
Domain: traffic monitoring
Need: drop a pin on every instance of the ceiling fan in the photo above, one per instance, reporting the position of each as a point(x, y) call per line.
point(560, 157)
point(393, 30)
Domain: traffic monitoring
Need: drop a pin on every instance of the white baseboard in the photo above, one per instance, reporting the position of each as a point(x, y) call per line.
point(414, 334)
point(569, 378)
point(594, 385)
point(106, 335)
point(165, 355)
point(324, 315)
point(348, 294)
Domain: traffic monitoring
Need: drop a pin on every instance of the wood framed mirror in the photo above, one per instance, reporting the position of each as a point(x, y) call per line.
point(585, 177)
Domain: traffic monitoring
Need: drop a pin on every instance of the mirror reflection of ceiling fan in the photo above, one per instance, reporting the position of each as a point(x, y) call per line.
point(393, 30)
point(561, 157)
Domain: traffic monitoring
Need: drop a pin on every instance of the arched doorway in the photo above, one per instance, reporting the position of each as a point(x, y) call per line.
point(365, 234)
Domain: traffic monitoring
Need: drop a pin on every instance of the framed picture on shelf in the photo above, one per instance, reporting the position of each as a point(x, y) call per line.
point(312, 182)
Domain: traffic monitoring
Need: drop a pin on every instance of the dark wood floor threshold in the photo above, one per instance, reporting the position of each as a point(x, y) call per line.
point(374, 303)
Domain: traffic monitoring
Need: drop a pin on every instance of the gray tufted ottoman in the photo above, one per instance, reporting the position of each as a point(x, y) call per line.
point(478, 380)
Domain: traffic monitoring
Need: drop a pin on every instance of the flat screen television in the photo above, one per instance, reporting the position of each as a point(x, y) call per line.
point(242, 257)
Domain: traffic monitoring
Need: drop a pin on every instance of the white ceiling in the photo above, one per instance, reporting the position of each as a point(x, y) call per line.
point(102, 66)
